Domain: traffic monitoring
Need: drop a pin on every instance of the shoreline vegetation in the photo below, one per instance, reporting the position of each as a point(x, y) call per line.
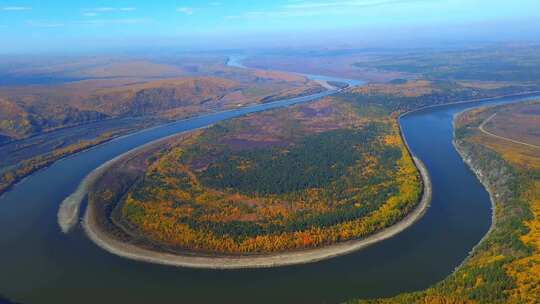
point(68, 212)
point(99, 234)
point(126, 250)
point(309, 176)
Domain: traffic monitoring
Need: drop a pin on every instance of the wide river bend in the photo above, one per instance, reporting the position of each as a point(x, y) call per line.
point(40, 264)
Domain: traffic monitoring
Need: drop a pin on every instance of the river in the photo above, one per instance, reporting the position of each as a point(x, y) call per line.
point(40, 264)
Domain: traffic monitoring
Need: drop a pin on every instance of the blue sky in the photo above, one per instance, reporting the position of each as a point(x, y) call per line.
point(31, 25)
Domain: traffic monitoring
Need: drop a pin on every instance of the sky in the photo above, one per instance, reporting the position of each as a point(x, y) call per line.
point(53, 25)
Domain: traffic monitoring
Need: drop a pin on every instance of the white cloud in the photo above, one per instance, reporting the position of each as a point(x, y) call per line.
point(16, 8)
point(275, 14)
point(103, 9)
point(344, 4)
point(38, 23)
point(191, 10)
point(117, 21)
point(97, 11)
point(107, 9)
point(303, 8)
point(185, 10)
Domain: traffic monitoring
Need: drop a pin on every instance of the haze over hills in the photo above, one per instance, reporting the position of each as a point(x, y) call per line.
point(132, 88)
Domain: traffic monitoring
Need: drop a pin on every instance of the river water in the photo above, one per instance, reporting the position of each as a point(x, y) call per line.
point(40, 264)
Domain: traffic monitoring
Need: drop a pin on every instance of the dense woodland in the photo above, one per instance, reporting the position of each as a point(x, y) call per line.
point(287, 179)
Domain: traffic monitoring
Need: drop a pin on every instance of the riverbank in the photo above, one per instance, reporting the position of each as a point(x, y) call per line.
point(480, 175)
point(480, 172)
point(68, 212)
point(306, 256)
point(11, 177)
point(130, 251)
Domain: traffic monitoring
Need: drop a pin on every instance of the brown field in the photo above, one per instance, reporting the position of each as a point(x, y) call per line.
point(410, 89)
point(514, 132)
point(521, 123)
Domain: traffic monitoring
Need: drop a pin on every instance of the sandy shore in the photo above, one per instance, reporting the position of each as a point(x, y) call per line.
point(130, 251)
point(68, 212)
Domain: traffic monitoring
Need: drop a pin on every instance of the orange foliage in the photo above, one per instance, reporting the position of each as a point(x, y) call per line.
point(526, 270)
point(159, 219)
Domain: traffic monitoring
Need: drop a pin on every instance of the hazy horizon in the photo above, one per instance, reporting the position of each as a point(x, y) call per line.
point(33, 26)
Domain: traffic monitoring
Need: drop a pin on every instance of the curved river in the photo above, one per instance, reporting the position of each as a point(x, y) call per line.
point(40, 264)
